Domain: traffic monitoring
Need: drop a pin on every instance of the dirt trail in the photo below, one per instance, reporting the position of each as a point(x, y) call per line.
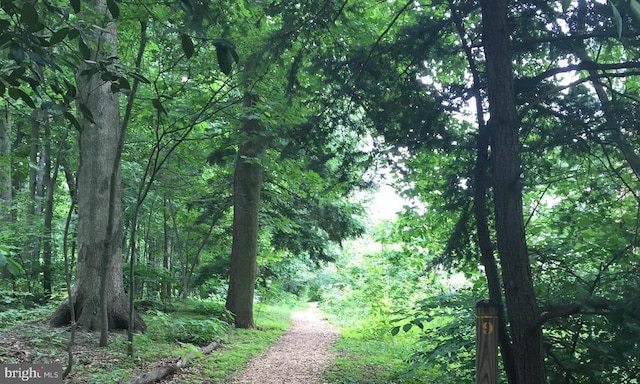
point(299, 357)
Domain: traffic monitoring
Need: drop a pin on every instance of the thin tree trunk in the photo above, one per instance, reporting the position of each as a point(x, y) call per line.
point(67, 279)
point(247, 185)
point(181, 256)
point(6, 186)
point(49, 184)
point(166, 257)
point(31, 248)
point(504, 125)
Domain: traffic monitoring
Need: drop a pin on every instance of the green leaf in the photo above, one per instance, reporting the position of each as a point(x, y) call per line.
point(395, 331)
point(225, 59)
point(113, 8)
point(187, 45)
point(16, 93)
point(75, 4)
point(236, 58)
point(29, 15)
point(635, 9)
point(73, 33)
point(139, 77)
point(124, 83)
point(617, 18)
point(16, 53)
point(158, 105)
point(72, 119)
point(186, 6)
point(62, 11)
point(85, 52)
point(89, 72)
point(407, 327)
point(86, 112)
point(14, 267)
point(36, 58)
point(58, 35)
point(16, 74)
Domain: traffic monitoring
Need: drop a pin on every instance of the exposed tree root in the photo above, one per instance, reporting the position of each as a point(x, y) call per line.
point(162, 371)
point(87, 315)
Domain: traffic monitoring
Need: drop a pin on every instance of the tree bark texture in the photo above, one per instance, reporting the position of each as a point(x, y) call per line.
point(49, 182)
point(31, 248)
point(486, 248)
point(166, 260)
point(504, 124)
point(6, 194)
point(99, 255)
point(247, 185)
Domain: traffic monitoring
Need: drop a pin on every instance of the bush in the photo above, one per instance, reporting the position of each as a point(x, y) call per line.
point(195, 331)
point(211, 307)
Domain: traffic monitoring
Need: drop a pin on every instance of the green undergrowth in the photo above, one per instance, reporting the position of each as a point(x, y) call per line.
point(243, 344)
point(172, 332)
point(367, 353)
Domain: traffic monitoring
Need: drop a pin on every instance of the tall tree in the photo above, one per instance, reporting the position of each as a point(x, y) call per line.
point(247, 186)
point(271, 87)
point(100, 228)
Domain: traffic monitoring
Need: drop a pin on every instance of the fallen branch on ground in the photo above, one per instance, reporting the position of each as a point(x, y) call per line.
point(163, 371)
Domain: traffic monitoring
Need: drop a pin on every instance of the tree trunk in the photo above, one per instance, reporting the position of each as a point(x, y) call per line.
point(247, 185)
point(6, 193)
point(184, 289)
point(31, 249)
point(99, 244)
point(166, 258)
point(504, 124)
point(480, 189)
point(49, 184)
point(486, 249)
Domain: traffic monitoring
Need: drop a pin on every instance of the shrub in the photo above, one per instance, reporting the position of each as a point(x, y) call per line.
point(185, 330)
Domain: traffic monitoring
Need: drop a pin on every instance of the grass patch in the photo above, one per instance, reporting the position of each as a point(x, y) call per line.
point(365, 357)
point(242, 344)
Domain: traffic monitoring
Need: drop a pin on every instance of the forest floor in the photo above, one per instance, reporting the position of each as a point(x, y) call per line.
point(300, 356)
point(292, 345)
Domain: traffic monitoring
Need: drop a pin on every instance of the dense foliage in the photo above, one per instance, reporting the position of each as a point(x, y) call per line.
point(343, 96)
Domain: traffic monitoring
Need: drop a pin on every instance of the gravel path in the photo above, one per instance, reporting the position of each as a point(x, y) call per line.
point(299, 357)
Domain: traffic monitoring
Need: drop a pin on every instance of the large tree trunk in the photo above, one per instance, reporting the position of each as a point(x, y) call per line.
point(99, 249)
point(247, 185)
point(504, 124)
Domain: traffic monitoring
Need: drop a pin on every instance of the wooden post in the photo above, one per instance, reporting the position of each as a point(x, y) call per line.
point(486, 342)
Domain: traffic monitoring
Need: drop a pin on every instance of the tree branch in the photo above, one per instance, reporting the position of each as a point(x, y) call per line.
point(597, 306)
